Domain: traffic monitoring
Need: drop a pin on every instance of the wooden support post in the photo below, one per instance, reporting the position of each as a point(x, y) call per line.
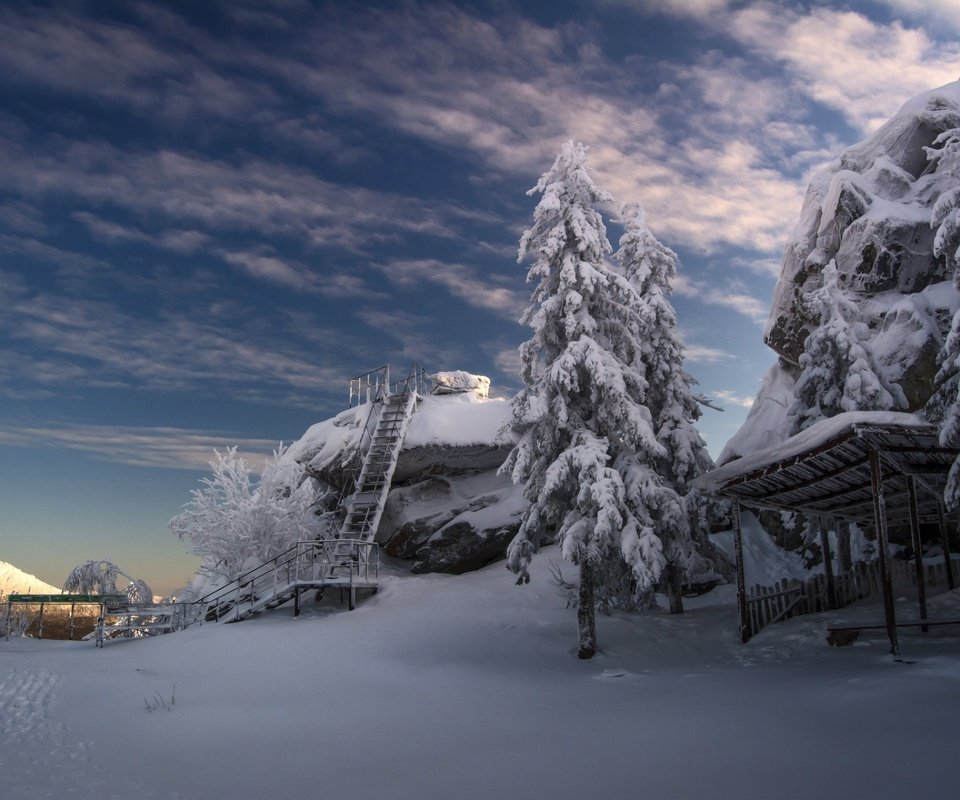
point(917, 548)
point(296, 602)
point(827, 563)
point(945, 541)
point(843, 545)
point(40, 632)
point(742, 607)
point(72, 608)
point(880, 520)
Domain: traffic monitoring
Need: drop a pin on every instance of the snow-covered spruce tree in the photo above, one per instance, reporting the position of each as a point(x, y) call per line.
point(657, 485)
point(235, 522)
point(944, 404)
point(587, 447)
point(837, 370)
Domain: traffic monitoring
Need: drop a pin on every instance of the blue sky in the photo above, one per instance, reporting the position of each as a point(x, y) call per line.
point(213, 214)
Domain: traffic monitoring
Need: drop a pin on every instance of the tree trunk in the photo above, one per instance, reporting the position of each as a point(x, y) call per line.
point(586, 614)
point(675, 588)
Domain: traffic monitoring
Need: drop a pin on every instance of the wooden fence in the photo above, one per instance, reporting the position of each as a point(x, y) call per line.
point(791, 598)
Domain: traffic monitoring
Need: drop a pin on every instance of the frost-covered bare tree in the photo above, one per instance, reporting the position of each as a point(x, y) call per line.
point(588, 450)
point(837, 369)
point(235, 520)
point(101, 576)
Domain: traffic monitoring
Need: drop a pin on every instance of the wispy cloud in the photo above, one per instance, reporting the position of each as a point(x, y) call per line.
point(702, 354)
point(175, 448)
point(733, 399)
point(74, 343)
point(494, 293)
point(878, 67)
point(733, 296)
point(416, 336)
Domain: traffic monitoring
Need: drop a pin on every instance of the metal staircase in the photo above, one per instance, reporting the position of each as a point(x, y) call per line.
point(364, 506)
point(351, 560)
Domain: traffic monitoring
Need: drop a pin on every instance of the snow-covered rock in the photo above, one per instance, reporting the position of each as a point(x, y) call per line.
point(869, 212)
point(447, 510)
point(16, 581)
point(458, 382)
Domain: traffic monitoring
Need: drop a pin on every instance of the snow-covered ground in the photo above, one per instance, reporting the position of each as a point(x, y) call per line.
point(467, 687)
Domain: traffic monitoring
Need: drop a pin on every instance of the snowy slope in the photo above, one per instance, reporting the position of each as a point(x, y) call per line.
point(466, 687)
point(13, 581)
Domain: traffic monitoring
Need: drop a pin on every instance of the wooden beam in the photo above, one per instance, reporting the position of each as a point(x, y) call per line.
point(742, 609)
point(827, 563)
point(945, 540)
point(880, 520)
point(917, 547)
point(835, 473)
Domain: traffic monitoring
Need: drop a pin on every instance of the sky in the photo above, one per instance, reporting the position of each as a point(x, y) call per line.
point(213, 214)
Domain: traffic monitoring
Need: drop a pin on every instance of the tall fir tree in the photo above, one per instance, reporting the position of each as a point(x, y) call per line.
point(588, 451)
point(838, 372)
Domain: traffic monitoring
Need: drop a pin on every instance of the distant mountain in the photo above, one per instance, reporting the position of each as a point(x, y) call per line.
point(16, 581)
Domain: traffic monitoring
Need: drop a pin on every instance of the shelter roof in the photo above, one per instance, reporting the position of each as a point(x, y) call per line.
point(825, 470)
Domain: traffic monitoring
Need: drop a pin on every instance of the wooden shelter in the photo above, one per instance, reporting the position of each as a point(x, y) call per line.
point(877, 469)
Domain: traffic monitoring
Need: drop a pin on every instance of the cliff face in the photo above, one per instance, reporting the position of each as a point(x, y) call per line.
point(870, 212)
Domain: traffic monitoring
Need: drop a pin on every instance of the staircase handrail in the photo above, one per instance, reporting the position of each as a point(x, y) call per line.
point(283, 559)
point(375, 381)
point(415, 381)
point(248, 576)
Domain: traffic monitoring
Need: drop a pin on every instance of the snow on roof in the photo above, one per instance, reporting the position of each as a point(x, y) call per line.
point(814, 436)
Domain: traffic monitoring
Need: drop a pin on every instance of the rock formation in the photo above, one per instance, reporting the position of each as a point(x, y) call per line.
point(870, 212)
point(447, 510)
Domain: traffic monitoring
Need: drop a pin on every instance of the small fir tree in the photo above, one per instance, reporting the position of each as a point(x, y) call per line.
point(650, 268)
point(837, 369)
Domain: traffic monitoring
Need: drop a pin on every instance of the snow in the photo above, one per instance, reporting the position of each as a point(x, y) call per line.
point(766, 424)
point(446, 420)
point(764, 563)
point(814, 436)
point(457, 420)
point(467, 687)
point(16, 581)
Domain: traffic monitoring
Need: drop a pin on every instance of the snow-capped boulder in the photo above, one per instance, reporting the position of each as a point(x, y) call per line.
point(459, 382)
point(447, 510)
point(452, 523)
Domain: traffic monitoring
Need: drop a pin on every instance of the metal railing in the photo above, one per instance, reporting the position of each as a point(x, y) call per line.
point(310, 564)
point(416, 381)
point(370, 386)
